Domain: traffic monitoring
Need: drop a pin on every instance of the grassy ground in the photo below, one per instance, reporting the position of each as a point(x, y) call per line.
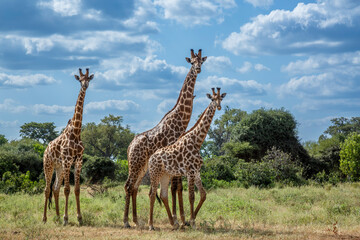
point(280, 213)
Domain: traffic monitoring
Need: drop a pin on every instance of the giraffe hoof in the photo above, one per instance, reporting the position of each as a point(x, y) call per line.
point(176, 226)
point(80, 221)
point(44, 219)
point(65, 221)
point(187, 223)
point(127, 225)
point(151, 228)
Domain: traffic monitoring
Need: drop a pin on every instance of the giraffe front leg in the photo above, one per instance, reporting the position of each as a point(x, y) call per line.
point(56, 189)
point(181, 204)
point(174, 186)
point(66, 193)
point(152, 195)
point(128, 191)
point(191, 200)
point(199, 185)
point(77, 189)
point(48, 171)
point(164, 184)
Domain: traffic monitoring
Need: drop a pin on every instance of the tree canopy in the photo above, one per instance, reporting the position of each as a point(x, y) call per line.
point(107, 139)
point(43, 132)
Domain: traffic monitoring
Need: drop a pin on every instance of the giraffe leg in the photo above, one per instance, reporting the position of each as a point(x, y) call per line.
point(174, 186)
point(56, 189)
point(164, 183)
point(152, 195)
point(191, 200)
point(77, 189)
point(129, 187)
point(181, 203)
point(66, 193)
point(135, 192)
point(48, 171)
point(201, 189)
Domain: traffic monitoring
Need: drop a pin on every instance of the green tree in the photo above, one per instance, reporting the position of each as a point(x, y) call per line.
point(220, 133)
point(108, 139)
point(42, 132)
point(342, 127)
point(3, 140)
point(350, 156)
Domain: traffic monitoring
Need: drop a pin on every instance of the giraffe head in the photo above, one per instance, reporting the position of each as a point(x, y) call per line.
point(196, 60)
point(84, 79)
point(216, 97)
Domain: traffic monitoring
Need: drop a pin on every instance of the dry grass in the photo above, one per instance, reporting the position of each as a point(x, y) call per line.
point(237, 213)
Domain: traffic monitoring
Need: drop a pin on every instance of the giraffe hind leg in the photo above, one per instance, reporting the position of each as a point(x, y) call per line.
point(48, 172)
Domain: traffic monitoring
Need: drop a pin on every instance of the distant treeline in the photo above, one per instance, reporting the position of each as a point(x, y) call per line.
point(260, 149)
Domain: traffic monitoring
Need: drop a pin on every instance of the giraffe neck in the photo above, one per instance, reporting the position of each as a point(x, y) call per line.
point(186, 96)
point(202, 126)
point(77, 118)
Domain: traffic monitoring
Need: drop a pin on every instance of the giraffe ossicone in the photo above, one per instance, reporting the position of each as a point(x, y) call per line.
point(64, 151)
point(183, 158)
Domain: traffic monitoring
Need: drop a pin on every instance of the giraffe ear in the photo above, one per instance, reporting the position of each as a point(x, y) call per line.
point(209, 96)
point(203, 59)
point(91, 77)
point(223, 95)
point(77, 77)
point(188, 60)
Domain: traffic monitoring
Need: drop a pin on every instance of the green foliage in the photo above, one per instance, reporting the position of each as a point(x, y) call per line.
point(122, 171)
point(3, 140)
point(287, 170)
point(343, 127)
point(350, 156)
point(107, 139)
point(95, 169)
point(241, 150)
point(44, 132)
point(19, 182)
point(223, 126)
point(23, 155)
point(258, 174)
point(216, 169)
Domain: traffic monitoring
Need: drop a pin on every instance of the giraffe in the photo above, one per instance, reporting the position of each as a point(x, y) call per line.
point(166, 132)
point(63, 151)
point(183, 159)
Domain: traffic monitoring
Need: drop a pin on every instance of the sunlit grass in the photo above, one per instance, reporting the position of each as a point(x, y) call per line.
point(238, 213)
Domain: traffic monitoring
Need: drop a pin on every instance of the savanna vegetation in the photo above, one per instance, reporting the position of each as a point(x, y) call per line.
point(262, 180)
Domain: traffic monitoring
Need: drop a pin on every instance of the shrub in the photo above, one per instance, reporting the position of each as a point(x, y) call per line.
point(350, 157)
point(122, 171)
point(217, 168)
point(95, 169)
point(19, 182)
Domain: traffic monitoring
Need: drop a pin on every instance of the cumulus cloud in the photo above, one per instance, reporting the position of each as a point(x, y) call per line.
point(313, 27)
point(24, 81)
point(143, 72)
point(325, 84)
point(66, 8)
point(250, 87)
point(217, 64)
point(111, 105)
point(260, 3)
point(192, 13)
point(165, 106)
point(9, 105)
point(248, 66)
point(52, 109)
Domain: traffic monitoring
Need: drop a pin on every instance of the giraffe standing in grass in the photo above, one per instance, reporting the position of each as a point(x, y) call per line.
point(168, 130)
point(63, 151)
point(183, 159)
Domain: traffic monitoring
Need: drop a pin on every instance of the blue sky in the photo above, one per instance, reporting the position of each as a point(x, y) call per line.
point(300, 55)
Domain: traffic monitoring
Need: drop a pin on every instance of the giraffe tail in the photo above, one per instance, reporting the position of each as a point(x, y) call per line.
point(51, 192)
point(158, 198)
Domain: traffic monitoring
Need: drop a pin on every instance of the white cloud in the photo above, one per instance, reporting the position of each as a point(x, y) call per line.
point(250, 87)
point(325, 84)
point(247, 67)
point(190, 13)
point(144, 10)
point(165, 106)
point(65, 8)
point(307, 28)
point(344, 64)
point(260, 3)
point(8, 124)
point(260, 67)
point(117, 105)
point(9, 105)
point(23, 81)
point(217, 64)
point(237, 100)
point(52, 109)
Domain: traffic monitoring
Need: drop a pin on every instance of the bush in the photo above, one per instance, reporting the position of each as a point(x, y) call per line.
point(287, 170)
point(95, 169)
point(19, 182)
point(350, 157)
point(216, 169)
point(122, 171)
point(258, 174)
